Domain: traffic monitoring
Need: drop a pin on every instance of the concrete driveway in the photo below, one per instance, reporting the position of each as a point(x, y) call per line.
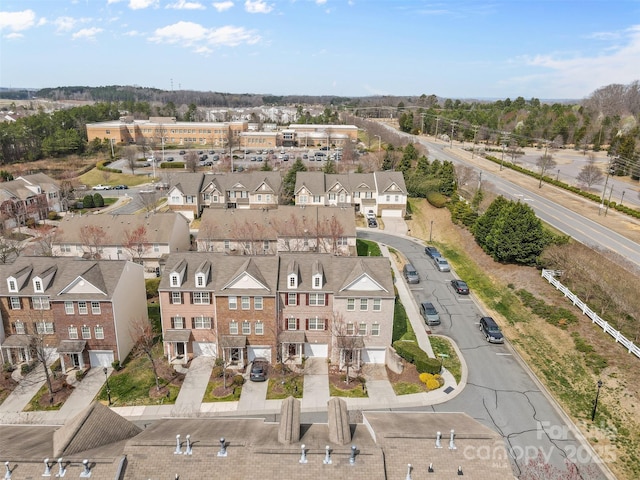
point(395, 225)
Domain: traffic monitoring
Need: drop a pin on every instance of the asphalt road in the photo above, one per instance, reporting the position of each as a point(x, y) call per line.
point(500, 392)
point(578, 227)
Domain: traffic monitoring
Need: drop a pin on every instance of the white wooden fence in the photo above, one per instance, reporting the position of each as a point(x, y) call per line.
point(595, 318)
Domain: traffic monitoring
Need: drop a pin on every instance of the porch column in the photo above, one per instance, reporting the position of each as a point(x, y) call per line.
point(62, 363)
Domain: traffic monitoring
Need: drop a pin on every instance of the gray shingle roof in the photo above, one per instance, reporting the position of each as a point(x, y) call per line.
point(159, 227)
point(103, 274)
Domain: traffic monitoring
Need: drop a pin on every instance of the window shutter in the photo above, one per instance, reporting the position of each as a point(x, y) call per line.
point(307, 298)
point(306, 323)
point(297, 324)
point(326, 299)
point(193, 323)
point(286, 299)
point(173, 324)
point(326, 323)
point(191, 297)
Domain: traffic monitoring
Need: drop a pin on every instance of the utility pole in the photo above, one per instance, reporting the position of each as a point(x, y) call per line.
point(609, 200)
point(437, 122)
point(475, 131)
point(453, 126)
point(604, 190)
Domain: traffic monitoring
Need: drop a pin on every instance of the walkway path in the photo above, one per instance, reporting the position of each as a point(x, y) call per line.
point(24, 392)
point(409, 303)
point(85, 392)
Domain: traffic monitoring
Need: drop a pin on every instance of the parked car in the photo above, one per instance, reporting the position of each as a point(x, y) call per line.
point(170, 159)
point(429, 313)
point(373, 223)
point(410, 274)
point(120, 187)
point(212, 152)
point(101, 187)
point(460, 287)
point(491, 330)
point(259, 369)
point(370, 214)
point(442, 264)
point(182, 152)
point(432, 252)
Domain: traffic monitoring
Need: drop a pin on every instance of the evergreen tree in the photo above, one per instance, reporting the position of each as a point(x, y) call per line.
point(422, 166)
point(330, 167)
point(289, 181)
point(517, 235)
point(266, 166)
point(485, 223)
point(387, 161)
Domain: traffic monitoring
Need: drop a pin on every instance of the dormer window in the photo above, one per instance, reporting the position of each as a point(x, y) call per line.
point(175, 280)
point(317, 281)
point(12, 284)
point(200, 280)
point(37, 285)
point(293, 281)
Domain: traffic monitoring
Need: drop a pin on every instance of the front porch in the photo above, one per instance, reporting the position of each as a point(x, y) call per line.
point(292, 346)
point(176, 343)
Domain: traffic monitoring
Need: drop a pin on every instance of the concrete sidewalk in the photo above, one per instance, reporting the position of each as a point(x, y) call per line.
point(24, 392)
point(409, 303)
point(84, 392)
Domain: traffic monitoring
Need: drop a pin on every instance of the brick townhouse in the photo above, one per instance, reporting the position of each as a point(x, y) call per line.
point(79, 310)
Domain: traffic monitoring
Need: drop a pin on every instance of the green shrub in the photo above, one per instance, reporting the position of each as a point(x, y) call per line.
point(27, 367)
point(412, 353)
point(436, 199)
point(53, 215)
point(238, 380)
point(400, 321)
point(217, 371)
point(7, 367)
point(116, 365)
point(151, 286)
point(87, 201)
point(80, 374)
point(172, 165)
point(98, 200)
point(102, 166)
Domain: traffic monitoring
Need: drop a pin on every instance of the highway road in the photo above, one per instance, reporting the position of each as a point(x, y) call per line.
point(500, 391)
point(571, 223)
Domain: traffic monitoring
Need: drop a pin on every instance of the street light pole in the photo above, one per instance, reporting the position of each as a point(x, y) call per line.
point(595, 402)
point(431, 230)
point(106, 378)
point(379, 142)
point(502, 160)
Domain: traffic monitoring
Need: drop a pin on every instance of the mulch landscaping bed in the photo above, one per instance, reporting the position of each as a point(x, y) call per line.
point(409, 374)
point(168, 376)
point(61, 391)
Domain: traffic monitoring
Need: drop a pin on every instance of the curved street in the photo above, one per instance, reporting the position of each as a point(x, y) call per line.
point(501, 392)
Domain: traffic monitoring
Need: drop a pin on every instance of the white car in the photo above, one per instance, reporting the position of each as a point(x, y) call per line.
point(102, 187)
point(370, 214)
point(441, 264)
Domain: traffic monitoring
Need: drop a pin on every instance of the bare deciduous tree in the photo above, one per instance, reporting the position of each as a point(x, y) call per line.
point(346, 339)
point(545, 163)
point(136, 243)
point(10, 248)
point(141, 329)
point(131, 156)
point(590, 174)
point(93, 238)
point(191, 161)
point(45, 240)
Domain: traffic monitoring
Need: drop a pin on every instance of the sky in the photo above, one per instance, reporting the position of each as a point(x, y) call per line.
point(547, 49)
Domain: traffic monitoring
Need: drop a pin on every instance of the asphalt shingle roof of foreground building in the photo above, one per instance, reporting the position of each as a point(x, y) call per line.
point(385, 444)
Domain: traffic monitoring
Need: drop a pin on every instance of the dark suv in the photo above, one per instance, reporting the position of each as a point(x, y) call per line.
point(432, 252)
point(491, 330)
point(411, 274)
point(259, 369)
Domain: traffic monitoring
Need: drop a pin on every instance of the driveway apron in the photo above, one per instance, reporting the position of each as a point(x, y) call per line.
point(316, 384)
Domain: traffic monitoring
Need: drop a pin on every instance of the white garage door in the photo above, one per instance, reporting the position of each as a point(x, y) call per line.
point(373, 355)
point(320, 350)
point(391, 213)
point(264, 352)
point(100, 358)
point(204, 349)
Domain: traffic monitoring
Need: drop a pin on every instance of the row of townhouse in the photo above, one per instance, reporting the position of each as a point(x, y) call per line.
point(167, 131)
point(283, 308)
point(190, 193)
point(383, 193)
point(29, 197)
point(288, 228)
point(83, 311)
point(146, 239)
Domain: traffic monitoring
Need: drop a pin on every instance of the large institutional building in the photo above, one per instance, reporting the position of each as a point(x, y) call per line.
point(166, 130)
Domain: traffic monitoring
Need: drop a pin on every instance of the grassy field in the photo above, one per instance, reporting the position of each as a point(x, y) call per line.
point(95, 176)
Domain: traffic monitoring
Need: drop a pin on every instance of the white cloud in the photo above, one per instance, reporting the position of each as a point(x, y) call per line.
point(14, 35)
point(64, 24)
point(203, 39)
point(185, 5)
point(582, 74)
point(140, 4)
point(109, 2)
point(321, 2)
point(132, 33)
point(257, 6)
point(17, 21)
point(223, 6)
point(87, 33)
